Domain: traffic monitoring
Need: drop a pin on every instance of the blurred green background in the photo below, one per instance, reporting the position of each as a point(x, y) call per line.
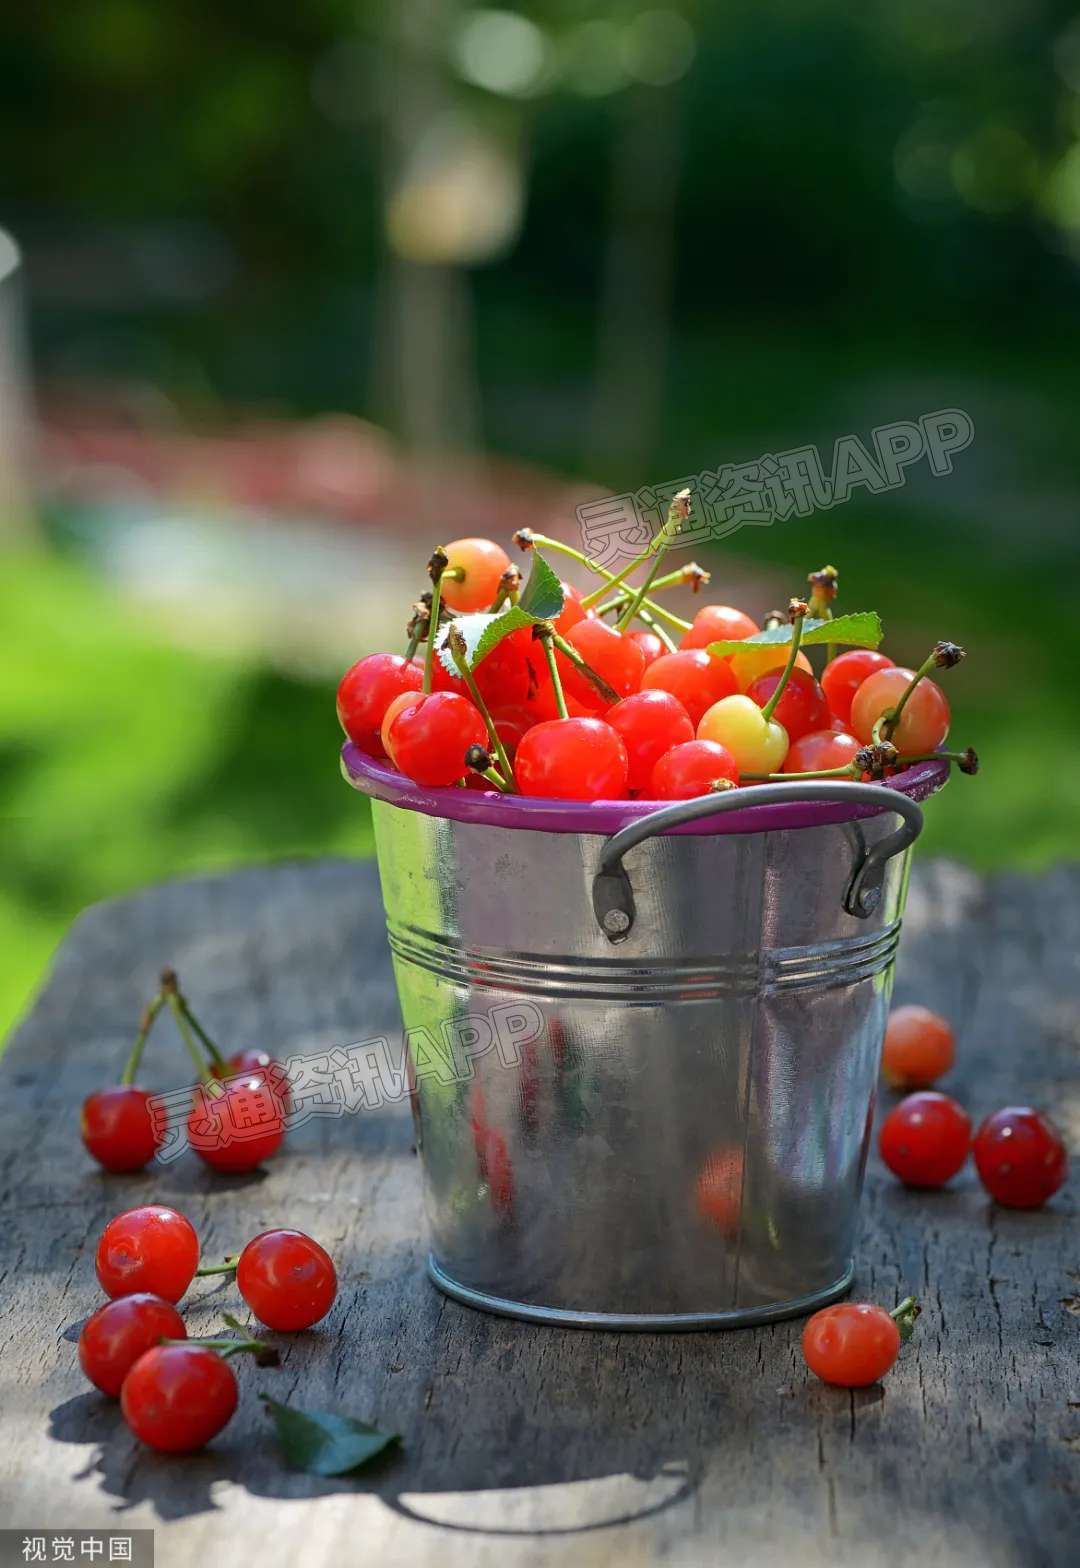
point(524, 255)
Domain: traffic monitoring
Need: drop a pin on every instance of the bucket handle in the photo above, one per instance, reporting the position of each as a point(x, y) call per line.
point(613, 897)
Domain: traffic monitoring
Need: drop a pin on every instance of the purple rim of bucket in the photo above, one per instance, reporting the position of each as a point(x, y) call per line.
point(492, 809)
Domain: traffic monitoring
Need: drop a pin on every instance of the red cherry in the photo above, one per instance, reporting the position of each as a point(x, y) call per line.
point(924, 722)
point(177, 1397)
point(367, 690)
point(511, 724)
point(287, 1279)
point(429, 738)
point(150, 1248)
point(918, 1048)
point(718, 623)
point(718, 1193)
point(851, 1344)
point(650, 645)
point(254, 1063)
point(571, 612)
point(821, 749)
point(693, 677)
point(802, 707)
point(925, 1139)
point(650, 723)
point(406, 700)
point(117, 1334)
point(692, 769)
point(614, 657)
point(572, 759)
point(845, 674)
point(541, 702)
point(1020, 1157)
point(481, 563)
point(117, 1127)
point(238, 1127)
point(442, 680)
point(503, 677)
point(499, 1172)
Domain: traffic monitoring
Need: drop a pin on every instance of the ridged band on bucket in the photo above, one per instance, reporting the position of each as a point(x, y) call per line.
point(565, 978)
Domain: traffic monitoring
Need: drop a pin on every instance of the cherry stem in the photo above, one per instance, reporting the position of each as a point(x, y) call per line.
point(211, 1049)
point(228, 1267)
point(494, 778)
point(610, 580)
point(411, 647)
point(264, 1354)
point(170, 986)
point(848, 771)
point(609, 694)
point(457, 649)
point(669, 580)
point(639, 560)
point(202, 1067)
point(433, 631)
point(966, 761)
point(677, 512)
point(822, 593)
point(796, 638)
point(904, 1317)
point(547, 637)
point(146, 1023)
point(886, 726)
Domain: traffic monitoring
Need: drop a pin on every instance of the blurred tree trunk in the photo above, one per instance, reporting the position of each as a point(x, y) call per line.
point(634, 327)
point(424, 370)
point(17, 521)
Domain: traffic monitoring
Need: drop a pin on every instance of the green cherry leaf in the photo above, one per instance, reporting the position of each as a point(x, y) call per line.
point(860, 629)
point(323, 1443)
point(541, 599)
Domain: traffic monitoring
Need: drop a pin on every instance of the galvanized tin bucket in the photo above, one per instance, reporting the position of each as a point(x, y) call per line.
point(643, 1040)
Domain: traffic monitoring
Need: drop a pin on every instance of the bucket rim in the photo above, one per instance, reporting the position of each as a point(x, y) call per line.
point(489, 808)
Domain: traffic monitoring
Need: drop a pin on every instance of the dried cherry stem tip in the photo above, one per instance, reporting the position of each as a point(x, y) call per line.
point(477, 760)
point(905, 1315)
point(508, 590)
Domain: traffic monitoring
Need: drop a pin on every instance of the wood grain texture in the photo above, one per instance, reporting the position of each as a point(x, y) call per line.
point(525, 1445)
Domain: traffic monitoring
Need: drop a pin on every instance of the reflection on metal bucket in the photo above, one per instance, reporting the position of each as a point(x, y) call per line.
point(666, 1125)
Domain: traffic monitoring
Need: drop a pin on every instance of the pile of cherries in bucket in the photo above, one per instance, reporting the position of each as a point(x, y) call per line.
point(541, 690)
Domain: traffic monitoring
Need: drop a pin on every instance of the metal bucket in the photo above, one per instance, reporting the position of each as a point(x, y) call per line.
point(643, 1042)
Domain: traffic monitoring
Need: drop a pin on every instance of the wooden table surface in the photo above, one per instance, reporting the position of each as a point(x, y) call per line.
point(526, 1445)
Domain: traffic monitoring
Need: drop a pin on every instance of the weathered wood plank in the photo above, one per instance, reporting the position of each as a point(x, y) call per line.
point(528, 1445)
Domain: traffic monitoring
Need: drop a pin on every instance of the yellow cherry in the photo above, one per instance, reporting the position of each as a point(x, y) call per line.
point(759, 745)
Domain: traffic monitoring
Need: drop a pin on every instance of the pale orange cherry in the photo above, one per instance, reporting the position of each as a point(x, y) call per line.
point(746, 667)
